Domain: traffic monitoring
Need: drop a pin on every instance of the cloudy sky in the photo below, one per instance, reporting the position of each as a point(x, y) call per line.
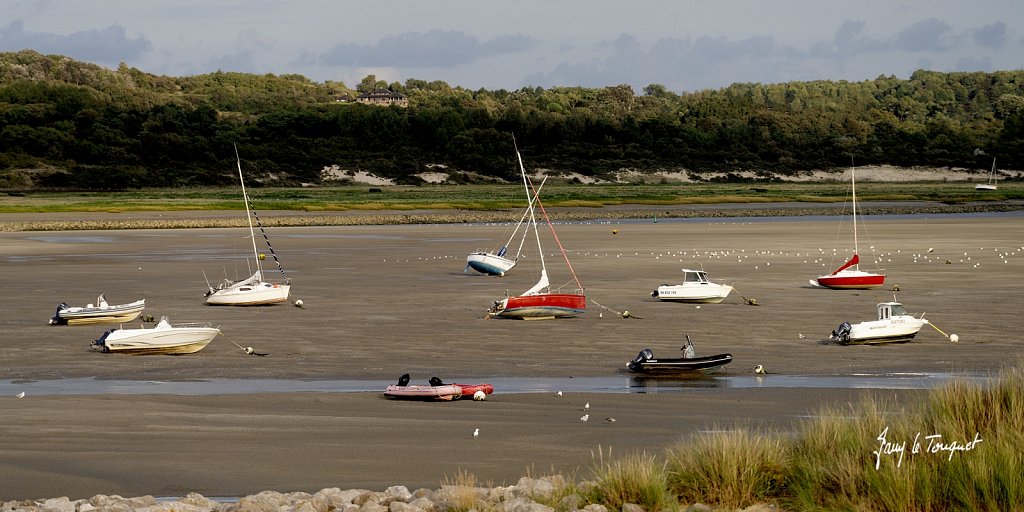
point(685, 45)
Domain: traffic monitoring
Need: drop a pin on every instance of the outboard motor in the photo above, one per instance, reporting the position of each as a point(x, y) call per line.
point(57, 320)
point(842, 333)
point(434, 381)
point(644, 355)
point(100, 342)
point(403, 380)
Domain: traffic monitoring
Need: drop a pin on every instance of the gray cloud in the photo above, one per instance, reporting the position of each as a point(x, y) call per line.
point(434, 48)
point(108, 46)
point(680, 64)
point(240, 62)
point(926, 35)
point(991, 36)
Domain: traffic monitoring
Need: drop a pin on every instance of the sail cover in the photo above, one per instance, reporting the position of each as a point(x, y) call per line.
point(853, 261)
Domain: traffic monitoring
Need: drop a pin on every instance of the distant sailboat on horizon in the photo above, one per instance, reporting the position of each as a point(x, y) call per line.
point(991, 184)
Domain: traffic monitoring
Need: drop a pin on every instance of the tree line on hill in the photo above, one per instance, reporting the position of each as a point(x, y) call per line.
point(69, 124)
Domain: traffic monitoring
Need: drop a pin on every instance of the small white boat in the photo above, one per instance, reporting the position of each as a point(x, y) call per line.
point(496, 264)
point(695, 289)
point(164, 338)
point(991, 184)
point(99, 313)
point(894, 325)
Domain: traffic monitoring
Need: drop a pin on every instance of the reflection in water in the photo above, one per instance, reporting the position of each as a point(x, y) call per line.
point(622, 383)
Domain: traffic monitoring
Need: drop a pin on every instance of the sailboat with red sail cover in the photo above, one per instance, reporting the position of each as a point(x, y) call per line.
point(849, 276)
point(540, 302)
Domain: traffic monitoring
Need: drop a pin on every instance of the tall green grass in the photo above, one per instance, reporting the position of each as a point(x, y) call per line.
point(733, 469)
point(636, 478)
point(831, 462)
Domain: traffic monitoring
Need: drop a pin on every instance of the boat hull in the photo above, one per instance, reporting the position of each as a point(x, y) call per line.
point(259, 294)
point(898, 329)
point(985, 186)
point(490, 264)
point(422, 392)
point(173, 341)
point(692, 294)
point(99, 314)
point(851, 280)
point(541, 305)
point(470, 389)
point(694, 365)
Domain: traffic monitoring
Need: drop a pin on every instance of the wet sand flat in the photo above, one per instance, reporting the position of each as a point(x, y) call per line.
point(380, 301)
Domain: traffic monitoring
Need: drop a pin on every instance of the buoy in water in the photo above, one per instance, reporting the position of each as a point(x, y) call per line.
point(954, 338)
point(263, 256)
point(615, 231)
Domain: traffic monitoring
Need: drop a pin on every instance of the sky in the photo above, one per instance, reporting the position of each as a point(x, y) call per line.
point(684, 45)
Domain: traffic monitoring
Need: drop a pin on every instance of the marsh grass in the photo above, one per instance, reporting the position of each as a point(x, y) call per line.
point(831, 463)
point(636, 478)
point(491, 197)
point(464, 493)
point(733, 469)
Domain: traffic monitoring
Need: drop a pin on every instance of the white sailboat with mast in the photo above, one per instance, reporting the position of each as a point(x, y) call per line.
point(253, 291)
point(497, 263)
point(991, 184)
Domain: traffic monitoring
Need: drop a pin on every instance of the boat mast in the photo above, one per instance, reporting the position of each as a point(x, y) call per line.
point(853, 187)
point(533, 219)
point(245, 197)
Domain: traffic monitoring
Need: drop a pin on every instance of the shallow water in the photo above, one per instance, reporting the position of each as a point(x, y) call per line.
point(625, 383)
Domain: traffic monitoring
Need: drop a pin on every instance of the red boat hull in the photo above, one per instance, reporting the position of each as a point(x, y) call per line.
point(543, 305)
point(468, 390)
point(858, 282)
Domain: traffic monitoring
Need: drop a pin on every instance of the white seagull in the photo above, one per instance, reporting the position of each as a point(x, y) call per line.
point(584, 418)
point(476, 433)
point(586, 406)
point(20, 395)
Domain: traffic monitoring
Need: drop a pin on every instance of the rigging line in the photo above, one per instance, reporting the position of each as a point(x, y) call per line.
point(526, 231)
point(555, 235)
point(267, 239)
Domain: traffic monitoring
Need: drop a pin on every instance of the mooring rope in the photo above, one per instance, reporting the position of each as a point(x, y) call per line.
point(623, 314)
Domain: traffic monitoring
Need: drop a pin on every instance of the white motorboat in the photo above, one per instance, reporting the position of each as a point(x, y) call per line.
point(164, 338)
point(99, 313)
point(894, 325)
point(695, 289)
point(253, 291)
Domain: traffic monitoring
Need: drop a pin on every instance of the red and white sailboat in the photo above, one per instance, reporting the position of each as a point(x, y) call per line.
point(539, 301)
point(850, 276)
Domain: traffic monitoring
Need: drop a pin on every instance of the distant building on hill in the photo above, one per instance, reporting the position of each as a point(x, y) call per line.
point(383, 97)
